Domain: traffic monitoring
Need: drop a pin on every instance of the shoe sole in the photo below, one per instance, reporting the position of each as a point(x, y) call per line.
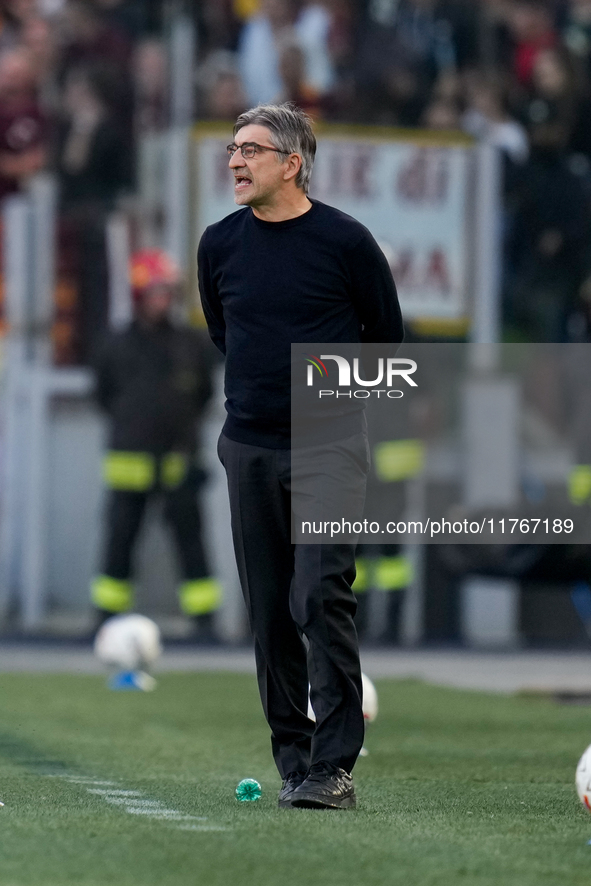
point(313, 801)
point(285, 804)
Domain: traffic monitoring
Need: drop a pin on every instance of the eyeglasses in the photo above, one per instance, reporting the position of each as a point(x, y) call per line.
point(249, 149)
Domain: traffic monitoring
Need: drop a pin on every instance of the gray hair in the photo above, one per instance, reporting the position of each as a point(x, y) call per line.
point(291, 132)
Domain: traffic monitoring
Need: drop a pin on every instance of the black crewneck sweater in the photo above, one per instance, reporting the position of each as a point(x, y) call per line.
point(320, 277)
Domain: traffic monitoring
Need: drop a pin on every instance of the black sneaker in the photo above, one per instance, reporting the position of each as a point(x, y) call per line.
point(325, 787)
point(291, 781)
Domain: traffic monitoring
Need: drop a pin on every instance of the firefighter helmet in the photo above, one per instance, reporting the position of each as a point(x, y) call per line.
point(152, 267)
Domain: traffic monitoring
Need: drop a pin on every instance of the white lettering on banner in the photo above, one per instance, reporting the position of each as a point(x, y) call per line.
point(350, 175)
point(413, 199)
point(416, 271)
point(425, 177)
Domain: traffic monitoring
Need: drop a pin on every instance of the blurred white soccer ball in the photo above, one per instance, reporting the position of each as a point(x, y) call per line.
point(128, 642)
point(583, 779)
point(370, 701)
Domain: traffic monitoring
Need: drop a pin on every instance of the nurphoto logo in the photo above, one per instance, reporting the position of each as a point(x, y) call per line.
point(390, 370)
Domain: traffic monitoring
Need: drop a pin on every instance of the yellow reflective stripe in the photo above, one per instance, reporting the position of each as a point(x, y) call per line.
point(579, 484)
point(129, 471)
point(398, 459)
point(200, 596)
point(361, 583)
point(111, 594)
point(173, 469)
point(441, 326)
point(393, 573)
point(246, 8)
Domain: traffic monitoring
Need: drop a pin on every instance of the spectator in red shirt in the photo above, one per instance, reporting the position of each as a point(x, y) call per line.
point(23, 127)
point(94, 168)
point(151, 86)
point(532, 28)
point(20, 11)
point(295, 88)
point(38, 37)
point(90, 37)
point(91, 40)
point(9, 27)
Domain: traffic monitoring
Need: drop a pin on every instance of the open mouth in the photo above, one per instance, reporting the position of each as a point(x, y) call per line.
point(241, 182)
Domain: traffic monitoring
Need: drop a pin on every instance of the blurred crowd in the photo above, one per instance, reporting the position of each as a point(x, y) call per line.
point(515, 73)
point(79, 80)
point(82, 80)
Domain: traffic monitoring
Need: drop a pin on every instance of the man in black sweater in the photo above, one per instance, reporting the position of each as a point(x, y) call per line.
point(290, 269)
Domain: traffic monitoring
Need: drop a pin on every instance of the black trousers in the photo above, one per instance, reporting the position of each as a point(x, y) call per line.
point(294, 591)
point(181, 511)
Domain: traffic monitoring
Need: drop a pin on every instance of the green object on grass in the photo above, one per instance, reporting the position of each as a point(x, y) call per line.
point(460, 789)
point(248, 790)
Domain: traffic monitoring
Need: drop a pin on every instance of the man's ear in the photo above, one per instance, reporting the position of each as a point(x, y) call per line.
point(294, 164)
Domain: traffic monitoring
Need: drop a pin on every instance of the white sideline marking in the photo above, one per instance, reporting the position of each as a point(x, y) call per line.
point(75, 779)
point(201, 827)
point(132, 801)
point(136, 803)
point(142, 810)
point(168, 814)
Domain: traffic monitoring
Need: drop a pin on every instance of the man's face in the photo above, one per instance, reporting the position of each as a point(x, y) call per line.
point(156, 303)
point(258, 180)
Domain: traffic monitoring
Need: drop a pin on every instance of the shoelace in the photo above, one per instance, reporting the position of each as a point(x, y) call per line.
point(320, 770)
point(293, 776)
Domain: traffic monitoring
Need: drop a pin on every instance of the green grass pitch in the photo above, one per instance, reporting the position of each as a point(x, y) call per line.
point(459, 787)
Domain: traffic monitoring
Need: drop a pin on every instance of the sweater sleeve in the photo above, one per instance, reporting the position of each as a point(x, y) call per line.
point(210, 300)
point(205, 356)
point(373, 293)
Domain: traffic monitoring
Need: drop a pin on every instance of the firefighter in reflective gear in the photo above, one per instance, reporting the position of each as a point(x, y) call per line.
point(574, 364)
point(385, 567)
point(153, 379)
point(397, 457)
